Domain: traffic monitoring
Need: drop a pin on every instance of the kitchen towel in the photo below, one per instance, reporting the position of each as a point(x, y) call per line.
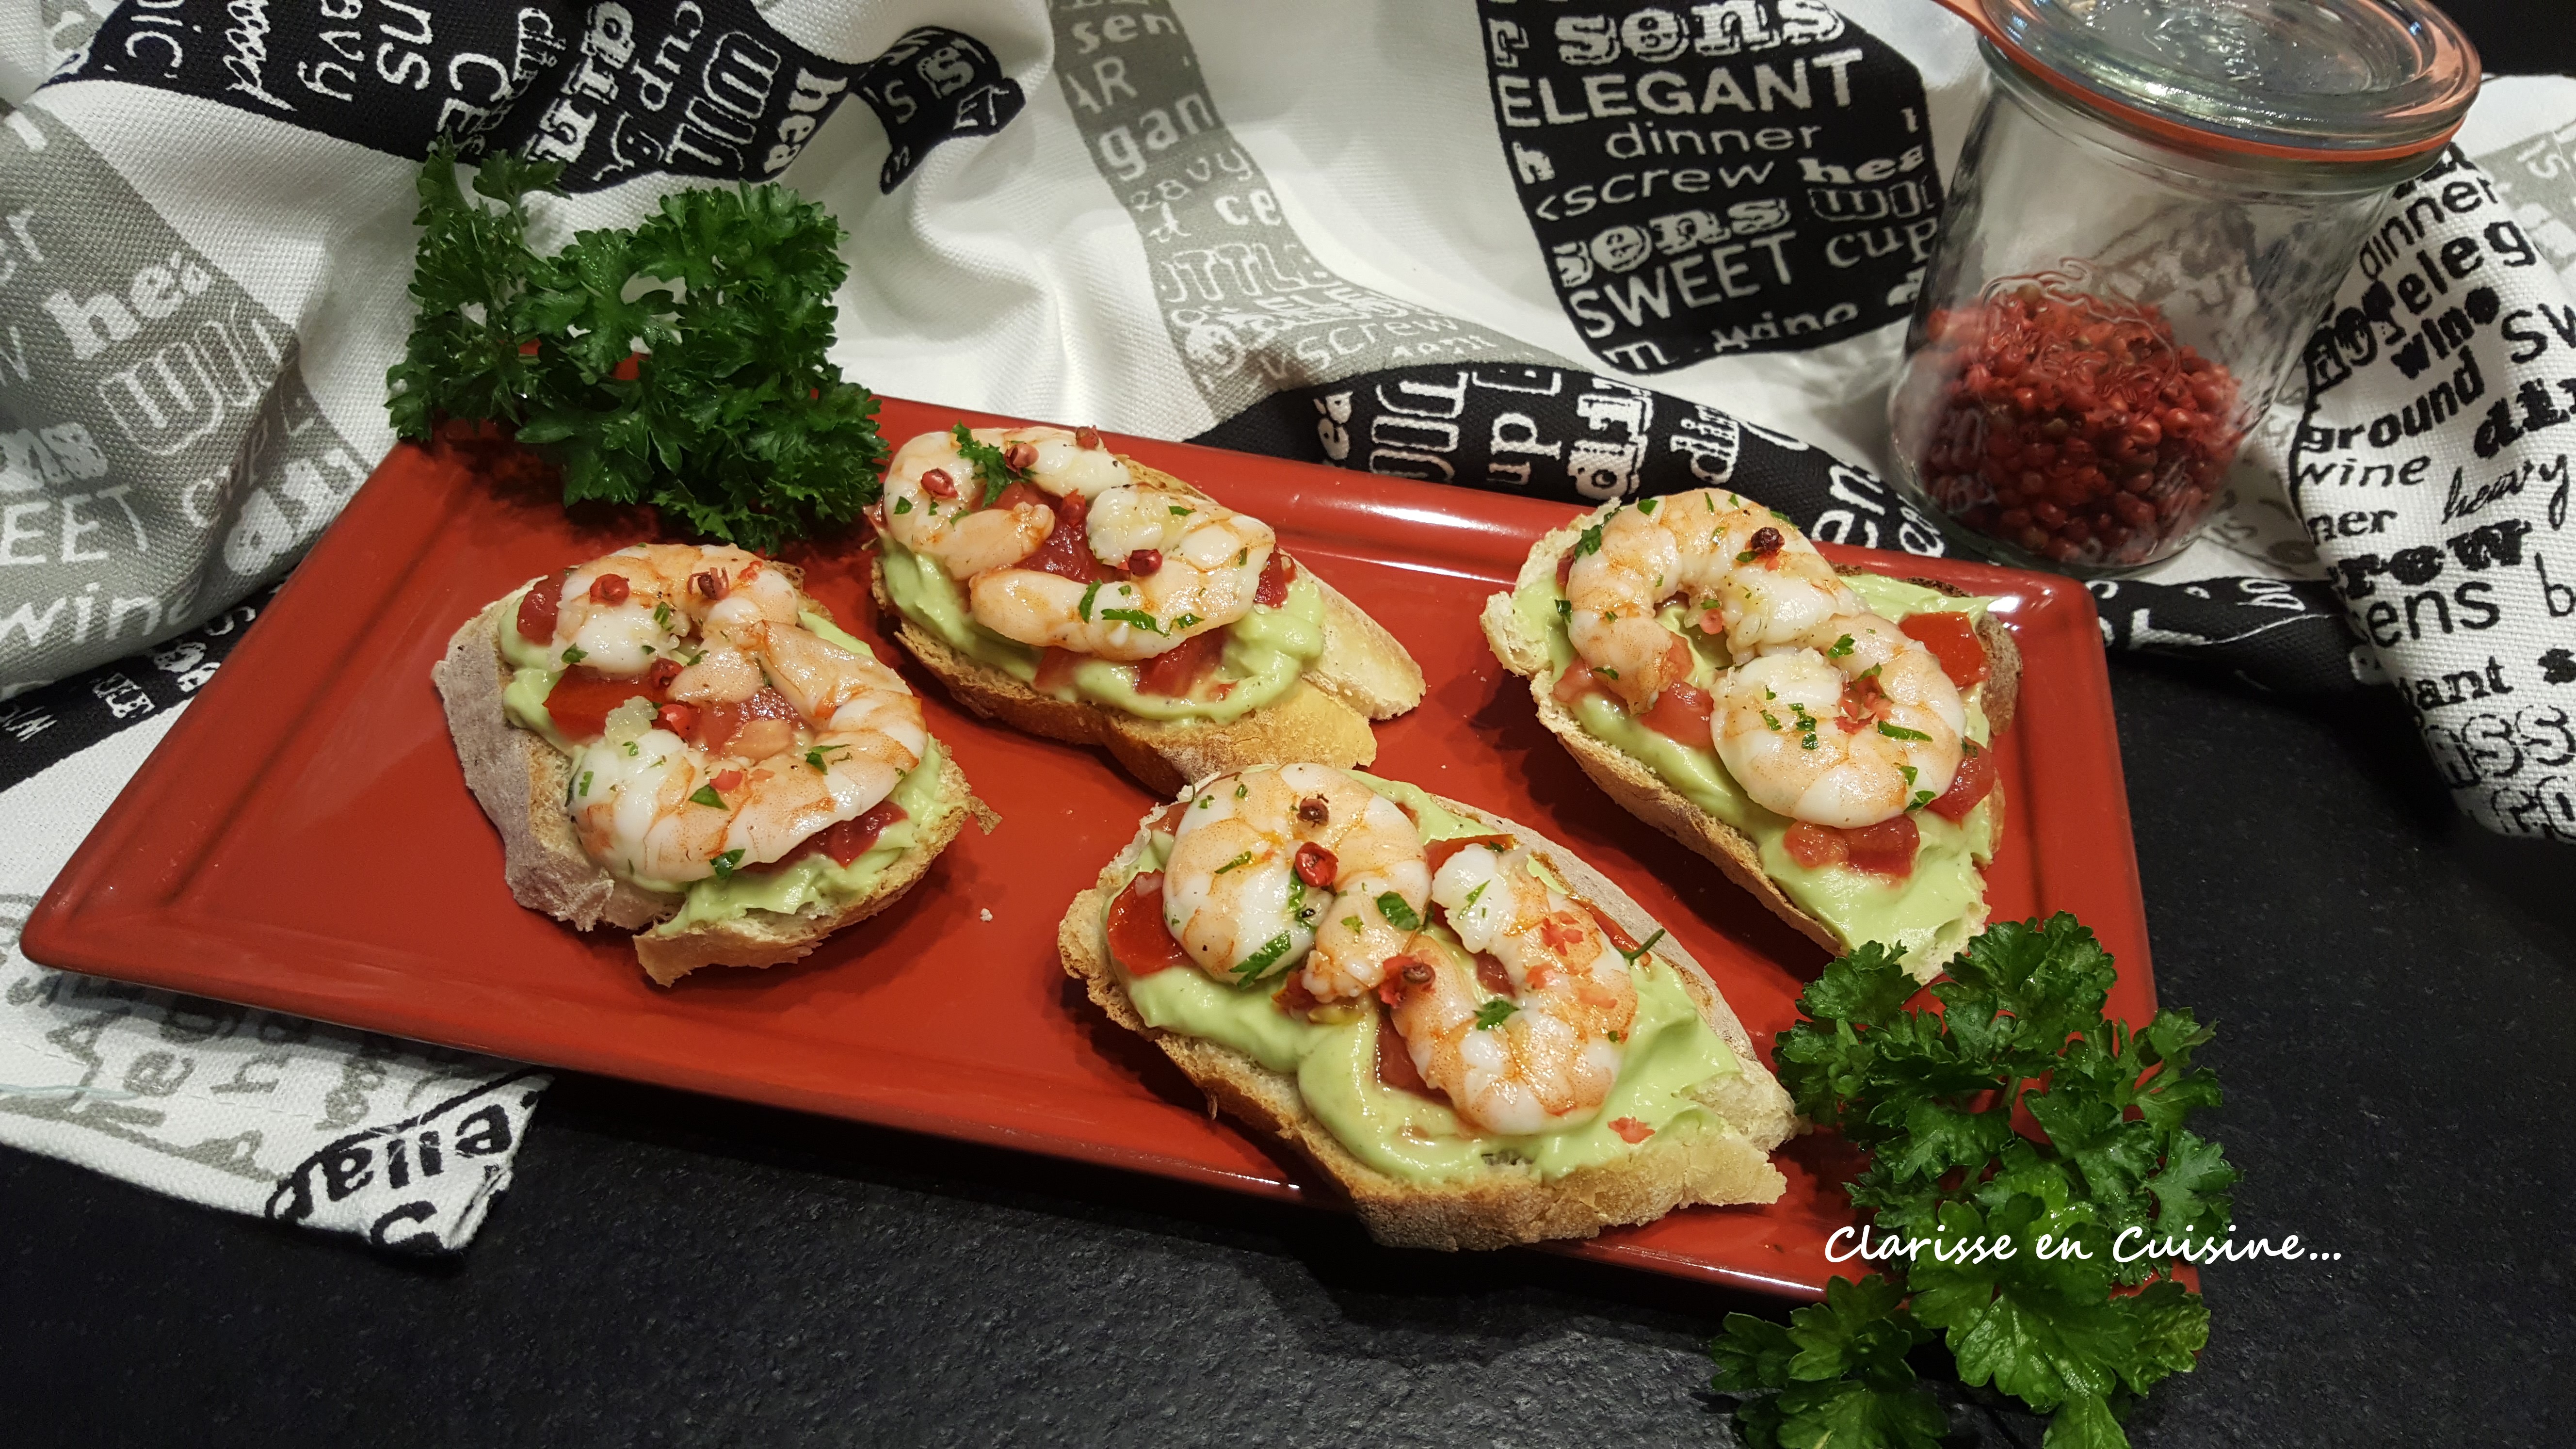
point(1580, 251)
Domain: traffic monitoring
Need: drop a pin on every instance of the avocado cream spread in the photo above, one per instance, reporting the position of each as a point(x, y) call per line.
point(1265, 650)
point(1931, 913)
point(815, 880)
point(1670, 1052)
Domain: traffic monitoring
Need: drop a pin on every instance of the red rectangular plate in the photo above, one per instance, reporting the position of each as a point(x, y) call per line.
point(303, 841)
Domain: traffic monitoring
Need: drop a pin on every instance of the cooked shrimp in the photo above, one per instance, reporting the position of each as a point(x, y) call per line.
point(1547, 1056)
point(1846, 735)
point(1206, 566)
point(1744, 571)
point(1162, 565)
point(934, 503)
point(1274, 867)
point(837, 732)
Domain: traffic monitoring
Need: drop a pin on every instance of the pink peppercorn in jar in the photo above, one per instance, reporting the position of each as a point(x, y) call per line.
point(2151, 212)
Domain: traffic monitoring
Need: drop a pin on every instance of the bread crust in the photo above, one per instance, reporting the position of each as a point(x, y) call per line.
point(1502, 1204)
point(1363, 674)
point(521, 781)
point(1642, 793)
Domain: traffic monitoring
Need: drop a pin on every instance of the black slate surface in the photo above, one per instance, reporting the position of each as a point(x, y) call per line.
point(2395, 993)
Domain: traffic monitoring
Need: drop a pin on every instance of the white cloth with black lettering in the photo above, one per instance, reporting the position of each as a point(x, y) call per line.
point(1576, 251)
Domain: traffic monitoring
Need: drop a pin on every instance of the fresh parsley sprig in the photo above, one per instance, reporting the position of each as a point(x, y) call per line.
point(1931, 1096)
point(735, 425)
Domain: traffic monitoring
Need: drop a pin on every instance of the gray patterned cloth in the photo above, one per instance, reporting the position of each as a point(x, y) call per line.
point(1573, 252)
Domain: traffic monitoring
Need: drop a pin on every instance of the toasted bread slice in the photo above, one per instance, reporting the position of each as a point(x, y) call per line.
point(1642, 793)
point(521, 781)
point(1501, 1203)
point(1362, 675)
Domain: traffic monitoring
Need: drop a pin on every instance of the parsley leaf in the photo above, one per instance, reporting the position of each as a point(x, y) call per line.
point(1643, 946)
point(736, 426)
point(990, 469)
point(1931, 1097)
point(1900, 732)
point(1265, 958)
point(706, 795)
point(1240, 860)
point(725, 863)
point(1398, 914)
point(1842, 648)
point(1088, 594)
point(1590, 542)
point(1495, 1012)
point(1137, 617)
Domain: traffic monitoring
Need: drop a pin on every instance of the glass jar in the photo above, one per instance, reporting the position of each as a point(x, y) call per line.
point(2151, 213)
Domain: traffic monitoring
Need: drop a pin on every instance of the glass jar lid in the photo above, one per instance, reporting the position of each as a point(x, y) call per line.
point(2303, 80)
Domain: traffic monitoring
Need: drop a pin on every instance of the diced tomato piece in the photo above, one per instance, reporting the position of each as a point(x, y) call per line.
point(1814, 846)
point(1953, 641)
point(1681, 714)
point(1066, 551)
point(1395, 1066)
point(1294, 998)
point(538, 608)
point(609, 589)
point(1492, 975)
point(1439, 851)
point(580, 702)
point(1578, 680)
point(1276, 576)
point(1016, 493)
point(1316, 866)
point(1974, 782)
point(847, 840)
point(1177, 670)
point(1138, 938)
point(1055, 670)
point(1887, 848)
point(679, 717)
point(1564, 569)
point(1631, 1130)
point(1626, 943)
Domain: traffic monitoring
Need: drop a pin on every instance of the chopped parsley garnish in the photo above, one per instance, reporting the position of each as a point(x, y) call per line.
point(1241, 790)
point(1137, 617)
point(820, 756)
point(737, 426)
point(1089, 594)
point(1263, 959)
point(1240, 860)
point(1604, 672)
point(630, 749)
point(1647, 506)
point(1565, 609)
point(1187, 621)
point(1241, 556)
point(1907, 771)
point(1590, 542)
point(903, 505)
point(1921, 799)
point(725, 863)
point(1770, 719)
point(662, 617)
point(990, 469)
point(574, 654)
point(584, 791)
point(1478, 891)
point(1351, 923)
point(1643, 946)
point(1842, 648)
point(1178, 511)
point(1900, 732)
point(706, 795)
point(1397, 913)
point(1495, 1012)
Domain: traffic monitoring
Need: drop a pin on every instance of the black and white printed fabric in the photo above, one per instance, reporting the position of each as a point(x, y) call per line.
point(1581, 250)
